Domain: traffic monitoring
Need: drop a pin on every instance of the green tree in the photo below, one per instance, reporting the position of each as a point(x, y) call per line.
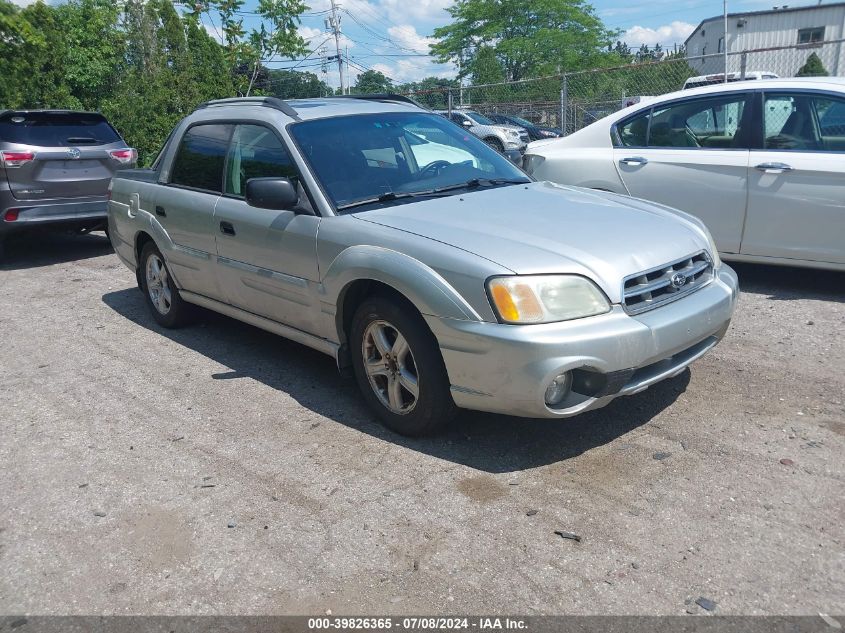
point(33, 49)
point(485, 67)
point(530, 37)
point(95, 48)
point(292, 84)
point(812, 68)
point(372, 81)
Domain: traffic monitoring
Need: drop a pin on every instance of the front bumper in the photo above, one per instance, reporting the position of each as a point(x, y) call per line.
point(35, 213)
point(506, 368)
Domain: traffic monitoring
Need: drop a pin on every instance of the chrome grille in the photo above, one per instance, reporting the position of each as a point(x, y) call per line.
point(652, 288)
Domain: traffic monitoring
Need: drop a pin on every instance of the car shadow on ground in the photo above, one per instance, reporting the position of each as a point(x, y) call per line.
point(787, 283)
point(46, 247)
point(486, 442)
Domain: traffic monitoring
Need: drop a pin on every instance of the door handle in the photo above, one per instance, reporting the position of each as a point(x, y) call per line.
point(160, 211)
point(633, 161)
point(226, 228)
point(773, 168)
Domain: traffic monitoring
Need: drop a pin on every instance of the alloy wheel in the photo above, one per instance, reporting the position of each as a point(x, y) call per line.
point(391, 370)
point(157, 284)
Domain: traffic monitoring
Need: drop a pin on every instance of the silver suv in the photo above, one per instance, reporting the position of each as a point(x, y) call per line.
point(509, 140)
point(389, 238)
point(55, 168)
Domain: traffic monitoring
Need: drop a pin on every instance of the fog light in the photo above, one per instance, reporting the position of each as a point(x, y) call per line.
point(11, 215)
point(558, 389)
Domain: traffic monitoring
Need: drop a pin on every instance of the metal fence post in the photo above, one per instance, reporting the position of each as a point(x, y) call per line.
point(449, 101)
point(743, 64)
point(564, 103)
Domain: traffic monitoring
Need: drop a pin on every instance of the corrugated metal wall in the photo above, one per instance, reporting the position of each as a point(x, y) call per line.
point(770, 29)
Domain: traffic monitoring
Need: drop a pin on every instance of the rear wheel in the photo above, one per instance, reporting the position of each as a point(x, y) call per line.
point(161, 293)
point(399, 369)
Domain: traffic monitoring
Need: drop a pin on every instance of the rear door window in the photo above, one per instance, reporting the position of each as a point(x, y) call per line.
point(201, 156)
point(56, 129)
point(804, 122)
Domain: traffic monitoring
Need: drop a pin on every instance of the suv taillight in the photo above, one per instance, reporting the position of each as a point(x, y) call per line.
point(16, 159)
point(126, 155)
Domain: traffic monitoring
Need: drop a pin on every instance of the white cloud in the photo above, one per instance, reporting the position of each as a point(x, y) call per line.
point(666, 35)
point(23, 3)
point(406, 36)
point(418, 10)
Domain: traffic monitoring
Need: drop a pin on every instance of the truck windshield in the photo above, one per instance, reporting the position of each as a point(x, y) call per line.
point(373, 160)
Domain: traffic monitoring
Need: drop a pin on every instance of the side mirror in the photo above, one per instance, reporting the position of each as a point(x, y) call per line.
point(271, 193)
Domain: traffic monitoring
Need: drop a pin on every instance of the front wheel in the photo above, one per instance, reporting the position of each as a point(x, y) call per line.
point(496, 144)
point(161, 293)
point(399, 369)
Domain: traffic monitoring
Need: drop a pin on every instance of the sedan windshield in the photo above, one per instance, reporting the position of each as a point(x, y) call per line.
point(371, 160)
point(479, 118)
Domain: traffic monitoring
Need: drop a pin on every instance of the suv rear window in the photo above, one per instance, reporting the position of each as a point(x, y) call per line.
point(56, 129)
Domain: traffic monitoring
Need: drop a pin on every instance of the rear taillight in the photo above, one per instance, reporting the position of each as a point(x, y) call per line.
point(11, 215)
point(124, 156)
point(16, 159)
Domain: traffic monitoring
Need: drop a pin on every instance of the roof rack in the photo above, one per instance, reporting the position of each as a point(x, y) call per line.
point(381, 96)
point(269, 102)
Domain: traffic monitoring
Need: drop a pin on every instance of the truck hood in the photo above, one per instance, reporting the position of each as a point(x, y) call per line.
point(547, 228)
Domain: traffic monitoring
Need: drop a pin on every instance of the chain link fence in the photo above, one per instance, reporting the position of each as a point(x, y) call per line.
point(571, 101)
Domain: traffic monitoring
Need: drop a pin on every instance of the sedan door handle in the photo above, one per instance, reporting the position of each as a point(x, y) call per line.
point(160, 211)
point(634, 161)
point(226, 228)
point(773, 168)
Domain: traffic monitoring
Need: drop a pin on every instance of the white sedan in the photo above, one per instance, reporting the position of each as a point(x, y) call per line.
point(762, 163)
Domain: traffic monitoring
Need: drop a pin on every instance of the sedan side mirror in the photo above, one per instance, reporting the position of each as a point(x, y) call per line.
point(271, 193)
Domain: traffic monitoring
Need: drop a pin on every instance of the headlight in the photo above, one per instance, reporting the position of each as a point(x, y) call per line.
point(513, 133)
point(547, 133)
point(714, 252)
point(531, 162)
point(545, 298)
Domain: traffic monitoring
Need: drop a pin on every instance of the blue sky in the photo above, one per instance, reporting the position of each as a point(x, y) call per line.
point(392, 36)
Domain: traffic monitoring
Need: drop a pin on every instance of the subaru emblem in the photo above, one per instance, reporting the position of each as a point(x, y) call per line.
point(73, 153)
point(678, 281)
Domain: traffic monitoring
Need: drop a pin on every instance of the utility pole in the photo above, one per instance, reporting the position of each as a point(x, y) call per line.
point(333, 25)
point(724, 40)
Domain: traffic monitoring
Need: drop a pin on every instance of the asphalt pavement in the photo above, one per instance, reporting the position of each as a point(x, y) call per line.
point(221, 469)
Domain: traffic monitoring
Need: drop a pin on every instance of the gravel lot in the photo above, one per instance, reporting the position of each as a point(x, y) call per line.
point(220, 469)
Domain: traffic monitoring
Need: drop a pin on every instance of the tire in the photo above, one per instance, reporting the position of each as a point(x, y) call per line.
point(495, 143)
point(394, 368)
point(162, 295)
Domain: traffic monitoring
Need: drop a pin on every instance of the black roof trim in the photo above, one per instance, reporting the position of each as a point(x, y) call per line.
point(269, 102)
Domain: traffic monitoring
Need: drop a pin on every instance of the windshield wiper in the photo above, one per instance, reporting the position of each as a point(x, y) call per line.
point(390, 196)
point(385, 197)
point(473, 183)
